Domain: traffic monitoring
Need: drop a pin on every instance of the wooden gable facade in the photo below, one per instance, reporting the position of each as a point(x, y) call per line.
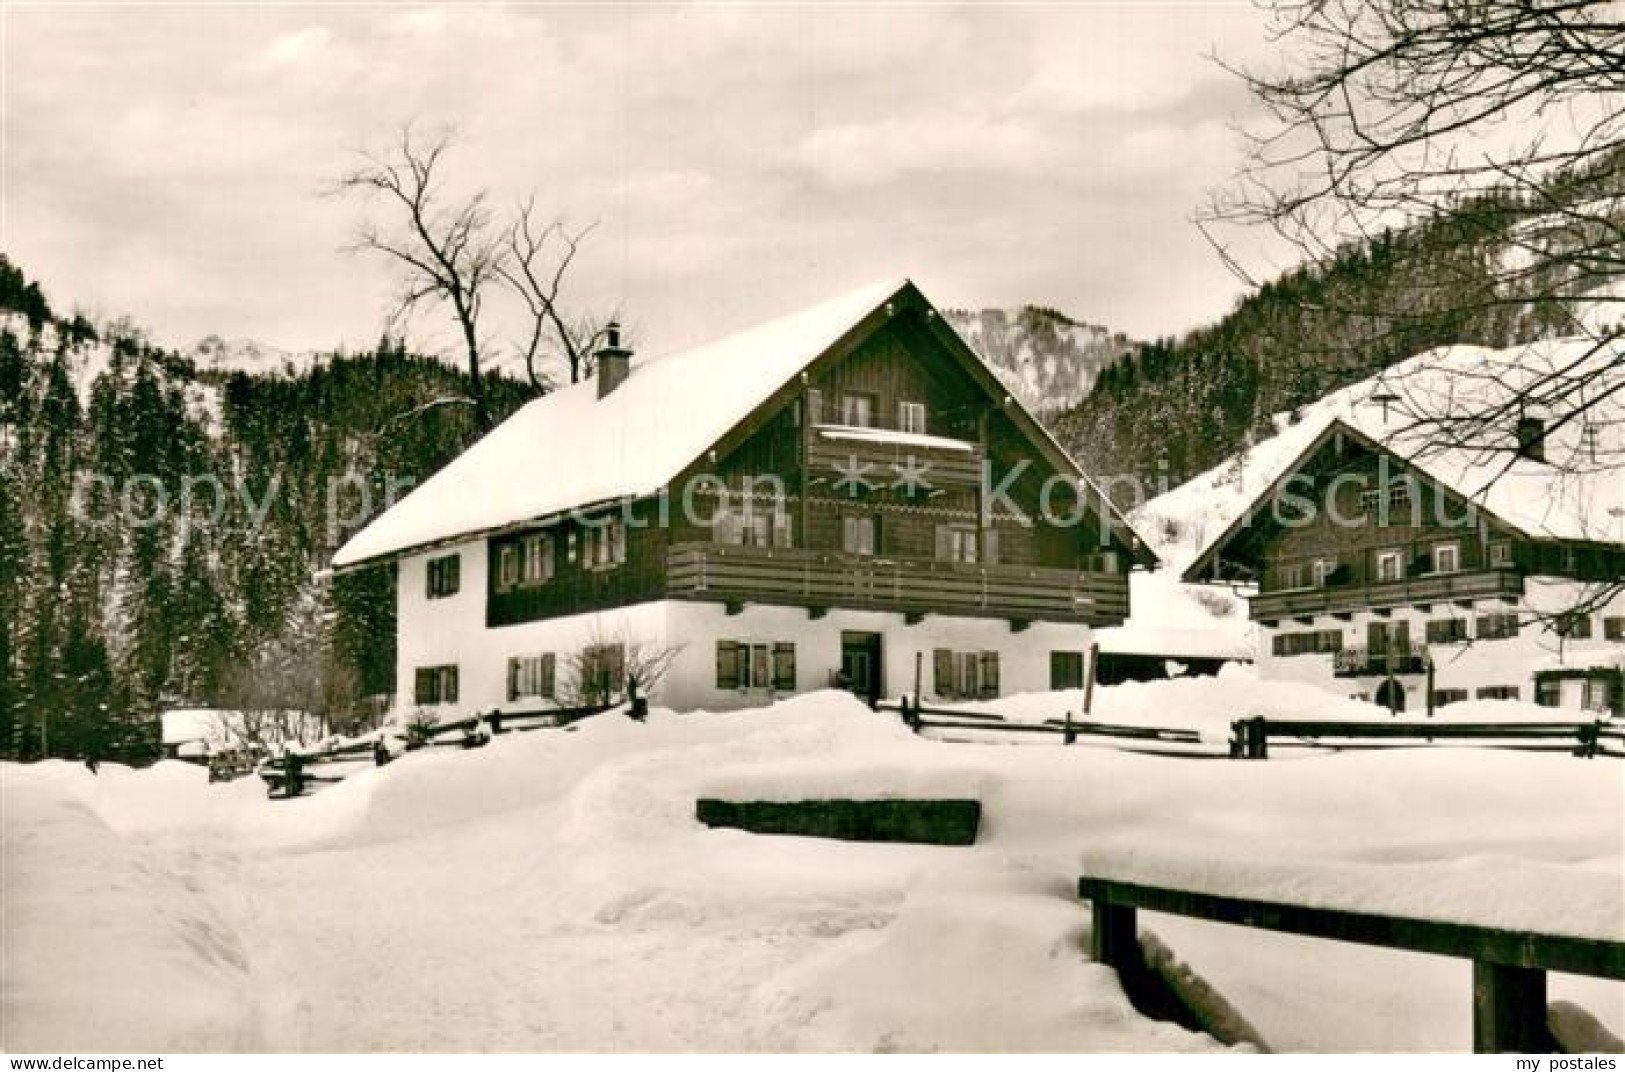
point(865, 483)
point(1350, 525)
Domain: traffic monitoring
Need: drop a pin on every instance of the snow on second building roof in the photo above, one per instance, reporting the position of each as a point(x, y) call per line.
point(1453, 414)
point(572, 449)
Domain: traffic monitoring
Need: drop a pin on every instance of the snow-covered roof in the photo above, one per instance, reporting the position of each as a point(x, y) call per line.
point(571, 450)
point(1452, 414)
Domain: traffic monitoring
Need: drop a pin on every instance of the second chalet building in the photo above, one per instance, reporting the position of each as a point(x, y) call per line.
point(1452, 529)
point(846, 496)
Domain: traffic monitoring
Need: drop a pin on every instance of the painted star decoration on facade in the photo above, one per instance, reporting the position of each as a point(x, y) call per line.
point(854, 476)
point(911, 476)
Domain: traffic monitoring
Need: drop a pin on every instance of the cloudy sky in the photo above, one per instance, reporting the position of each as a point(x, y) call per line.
point(176, 162)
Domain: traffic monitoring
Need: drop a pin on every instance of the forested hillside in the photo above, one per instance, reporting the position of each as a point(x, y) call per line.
point(163, 529)
point(1177, 407)
point(1049, 360)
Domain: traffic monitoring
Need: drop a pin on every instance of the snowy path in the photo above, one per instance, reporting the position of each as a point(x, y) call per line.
point(553, 892)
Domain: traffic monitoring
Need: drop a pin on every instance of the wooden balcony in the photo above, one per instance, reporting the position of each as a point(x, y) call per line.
point(882, 456)
point(822, 580)
point(1345, 599)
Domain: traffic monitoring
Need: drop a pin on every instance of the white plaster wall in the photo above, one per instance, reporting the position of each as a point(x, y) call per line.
point(1471, 666)
point(451, 630)
point(1023, 657)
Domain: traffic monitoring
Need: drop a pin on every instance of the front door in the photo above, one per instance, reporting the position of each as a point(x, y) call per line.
point(861, 670)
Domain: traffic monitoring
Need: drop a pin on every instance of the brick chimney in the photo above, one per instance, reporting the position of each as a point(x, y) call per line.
point(614, 361)
point(1532, 438)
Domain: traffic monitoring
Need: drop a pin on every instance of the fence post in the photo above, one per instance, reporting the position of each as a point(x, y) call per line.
point(1509, 1009)
point(1071, 735)
point(1590, 734)
point(1114, 939)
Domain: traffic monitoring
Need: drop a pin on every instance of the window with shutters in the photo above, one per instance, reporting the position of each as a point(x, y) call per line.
point(507, 567)
point(1549, 691)
point(859, 534)
point(748, 665)
point(1497, 626)
point(762, 524)
point(1390, 565)
point(966, 675)
point(445, 576)
point(1597, 694)
point(1498, 692)
point(606, 544)
point(1320, 570)
point(434, 685)
point(538, 559)
point(956, 543)
point(858, 409)
point(1447, 631)
point(911, 417)
point(1446, 558)
point(531, 675)
point(1445, 697)
point(1613, 628)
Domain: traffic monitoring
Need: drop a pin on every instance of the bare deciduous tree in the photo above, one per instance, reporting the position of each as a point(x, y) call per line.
point(447, 253)
point(458, 254)
point(537, 260)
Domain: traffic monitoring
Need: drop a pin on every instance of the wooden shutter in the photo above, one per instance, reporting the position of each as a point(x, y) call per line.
point(449, 691)
point(990, 545)
point(423, 686)
point(784, 667)
point(942, 672)
point(454, 567)
point(990, 674)
point(727, 664)
point(513, 679)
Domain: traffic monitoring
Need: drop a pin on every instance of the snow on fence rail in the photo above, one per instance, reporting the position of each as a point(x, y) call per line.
point(1250, 737)
point(289, 774)
point(1143, 738)
point(1510, 1011)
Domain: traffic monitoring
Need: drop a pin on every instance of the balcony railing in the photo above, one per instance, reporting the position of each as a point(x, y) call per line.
point(1395, 659)
point(1432, 588)
point(826, 580)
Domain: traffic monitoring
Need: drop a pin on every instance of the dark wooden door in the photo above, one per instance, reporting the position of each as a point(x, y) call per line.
point(861, 667)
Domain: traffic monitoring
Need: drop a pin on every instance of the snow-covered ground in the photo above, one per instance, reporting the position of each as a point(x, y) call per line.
point(553, 891)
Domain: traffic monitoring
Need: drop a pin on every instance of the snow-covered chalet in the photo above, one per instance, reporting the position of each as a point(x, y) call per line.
point(1451, 529)
point(845, 496)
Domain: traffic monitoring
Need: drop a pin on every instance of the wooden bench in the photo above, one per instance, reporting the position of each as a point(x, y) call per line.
point(1509, 967)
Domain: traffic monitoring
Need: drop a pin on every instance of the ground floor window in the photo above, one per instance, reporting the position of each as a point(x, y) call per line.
point(1447, 630)
point(1613, 628)
point(1498, 692)
point(531, 675)
point(742, 664)
point(1598, 695)
point(434, 685)
point(1497, 626)
point(1549, 692)
point(1065, 670)
point(966, 675)
point(1445, 697)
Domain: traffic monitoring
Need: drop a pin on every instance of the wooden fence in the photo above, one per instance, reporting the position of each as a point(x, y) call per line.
point(950, 720)
point(290, 774)
point(1509, 967)
point(1250, 737)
